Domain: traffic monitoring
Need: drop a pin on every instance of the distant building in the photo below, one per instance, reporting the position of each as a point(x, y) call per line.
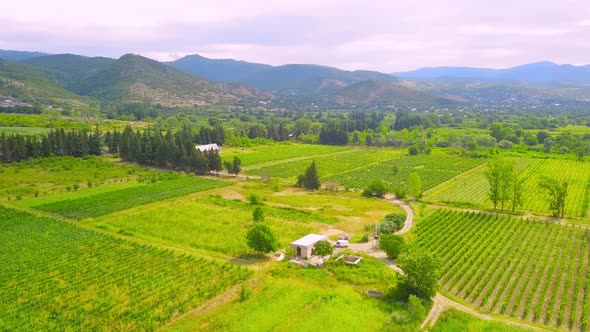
point(305, 245)
point(10, 103)
point(208, 147)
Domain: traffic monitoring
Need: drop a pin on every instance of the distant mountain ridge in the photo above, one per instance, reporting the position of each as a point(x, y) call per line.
point(13, 56)
point(539, 73)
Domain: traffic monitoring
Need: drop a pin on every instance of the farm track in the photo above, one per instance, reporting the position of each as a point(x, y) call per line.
point(441, 303)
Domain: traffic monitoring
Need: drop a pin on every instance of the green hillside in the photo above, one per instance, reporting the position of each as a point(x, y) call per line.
point(22, 83)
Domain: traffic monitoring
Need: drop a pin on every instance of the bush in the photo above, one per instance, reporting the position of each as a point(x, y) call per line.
point(255, 199)
point(375, 189)
point(258, 214)
point(416, 306)
point(392, 223)
point(323, 248)
point(245, 293)
point(413, 150)
point(393, 245)
point(261, 238)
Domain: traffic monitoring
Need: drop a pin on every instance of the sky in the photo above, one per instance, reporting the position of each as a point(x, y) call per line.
point(388, 36)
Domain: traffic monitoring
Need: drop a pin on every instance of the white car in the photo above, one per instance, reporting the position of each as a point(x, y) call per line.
point(341, 243)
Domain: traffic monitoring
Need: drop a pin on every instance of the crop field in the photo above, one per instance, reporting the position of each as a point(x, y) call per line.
point(23, 130)
point(295, 299)
point(267, 153)
point(42, 177)
point(331, 164)
point(472, 187)
point(432, 169)
point(106, 203)
point(56, 276)
point(210, 224)
point(30, 121)
point(536, 271)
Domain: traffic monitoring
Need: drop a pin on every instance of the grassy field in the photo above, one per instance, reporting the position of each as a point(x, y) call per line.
point(204, 224)
point(453, 320)
point(43, 177)
point(23, 130)
point(40, 121)
point(56, 276)
point(331, 299)
point(530, 270)
point(106, 203)
point(471, 187)
point(268, 153)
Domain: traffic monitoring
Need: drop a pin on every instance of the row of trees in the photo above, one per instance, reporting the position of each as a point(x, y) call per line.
point(15, 148)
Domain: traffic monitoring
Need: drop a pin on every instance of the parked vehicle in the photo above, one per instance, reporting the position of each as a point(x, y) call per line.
point(341, 243)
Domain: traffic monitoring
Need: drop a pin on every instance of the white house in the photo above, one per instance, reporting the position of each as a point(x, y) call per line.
point(208, 147)
point(305, 245)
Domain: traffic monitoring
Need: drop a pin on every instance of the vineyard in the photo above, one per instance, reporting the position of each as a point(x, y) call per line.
point(472, 188)
point(58, 277)
point(266, 153)
point(529, 270)
point(106, 203)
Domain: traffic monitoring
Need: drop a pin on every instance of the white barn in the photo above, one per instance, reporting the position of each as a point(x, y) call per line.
point(208, 147)
point(305, 245)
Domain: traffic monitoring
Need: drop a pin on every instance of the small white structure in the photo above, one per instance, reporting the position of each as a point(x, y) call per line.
point(304, 246)
point(208, 147)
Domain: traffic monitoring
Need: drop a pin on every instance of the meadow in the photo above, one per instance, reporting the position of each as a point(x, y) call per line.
point(453, 320)
point(23, 130)
point(327, 299)
point(106, 203)
point(280, 151)
point(470, 188)
point(44, 177)
point(57, 276)
point(529, 270)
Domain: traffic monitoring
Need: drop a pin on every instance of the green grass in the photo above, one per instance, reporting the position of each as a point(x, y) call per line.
point(529, 270)
point(39, 178)
point(30, 121)
point(56, 276)
point(267, 153)
point(207, 224)
point(453, 320)
point(106, 203)
point(23, 130)
point(294, 299)
point(472, 187)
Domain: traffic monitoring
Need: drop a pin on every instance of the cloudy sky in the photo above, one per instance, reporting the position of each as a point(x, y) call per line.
point(388, 36)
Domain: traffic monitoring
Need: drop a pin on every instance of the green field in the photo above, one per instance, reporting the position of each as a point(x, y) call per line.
point(106, 203)
point(23, 130)
point(268, 153)
point(536, 271)
point(55, 276)
point(329, 299)
point(209, 224)
point(453, 320)
point(471, 188)
point(43, 177)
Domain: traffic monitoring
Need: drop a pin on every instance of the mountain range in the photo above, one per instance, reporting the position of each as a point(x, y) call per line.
point(196, 80)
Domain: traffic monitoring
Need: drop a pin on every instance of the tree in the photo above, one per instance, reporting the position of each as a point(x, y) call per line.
point(499, 174)
point(556, 194)
point(310, 179)
point(323, 248)
point(517, 190)
point(421, 271)
point(234, 167)
point(392, 244)
point(376, 189)
point(261, 238)
point(258, 214)
point(415, 186)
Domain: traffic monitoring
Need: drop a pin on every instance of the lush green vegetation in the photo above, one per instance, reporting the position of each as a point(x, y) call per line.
point(106, 203)
point(453, 320)
point(57, 276)
point(537, 271)
point(44, 177)
point(331, 299)
point(472, 187)
point(260, 154)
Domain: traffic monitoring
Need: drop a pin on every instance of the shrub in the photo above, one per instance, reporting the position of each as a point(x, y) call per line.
point(323, 248)
point(375, 189)
point(392, 223)
point(258, 214)
point(261, 238)
point(393, 245)
point(255, 199)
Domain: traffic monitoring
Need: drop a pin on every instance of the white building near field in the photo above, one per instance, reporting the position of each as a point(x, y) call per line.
point(305, 245)
point(208, 147)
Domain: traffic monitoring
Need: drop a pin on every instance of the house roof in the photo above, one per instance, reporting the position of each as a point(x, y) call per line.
point(308, 240)
point(207, 147)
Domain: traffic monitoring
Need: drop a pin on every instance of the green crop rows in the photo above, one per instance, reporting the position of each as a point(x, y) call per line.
point(529, 270)
point(56, 276)
point(472, 188)
point(106, 203)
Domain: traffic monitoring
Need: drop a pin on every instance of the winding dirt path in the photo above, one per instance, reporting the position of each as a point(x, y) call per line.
point(441, 303)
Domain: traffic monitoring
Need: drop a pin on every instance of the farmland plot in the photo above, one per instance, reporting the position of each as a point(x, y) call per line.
point(265, 153)
point(529, 270)
point(55, 276)
point(105, 203)
point(472, 187)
